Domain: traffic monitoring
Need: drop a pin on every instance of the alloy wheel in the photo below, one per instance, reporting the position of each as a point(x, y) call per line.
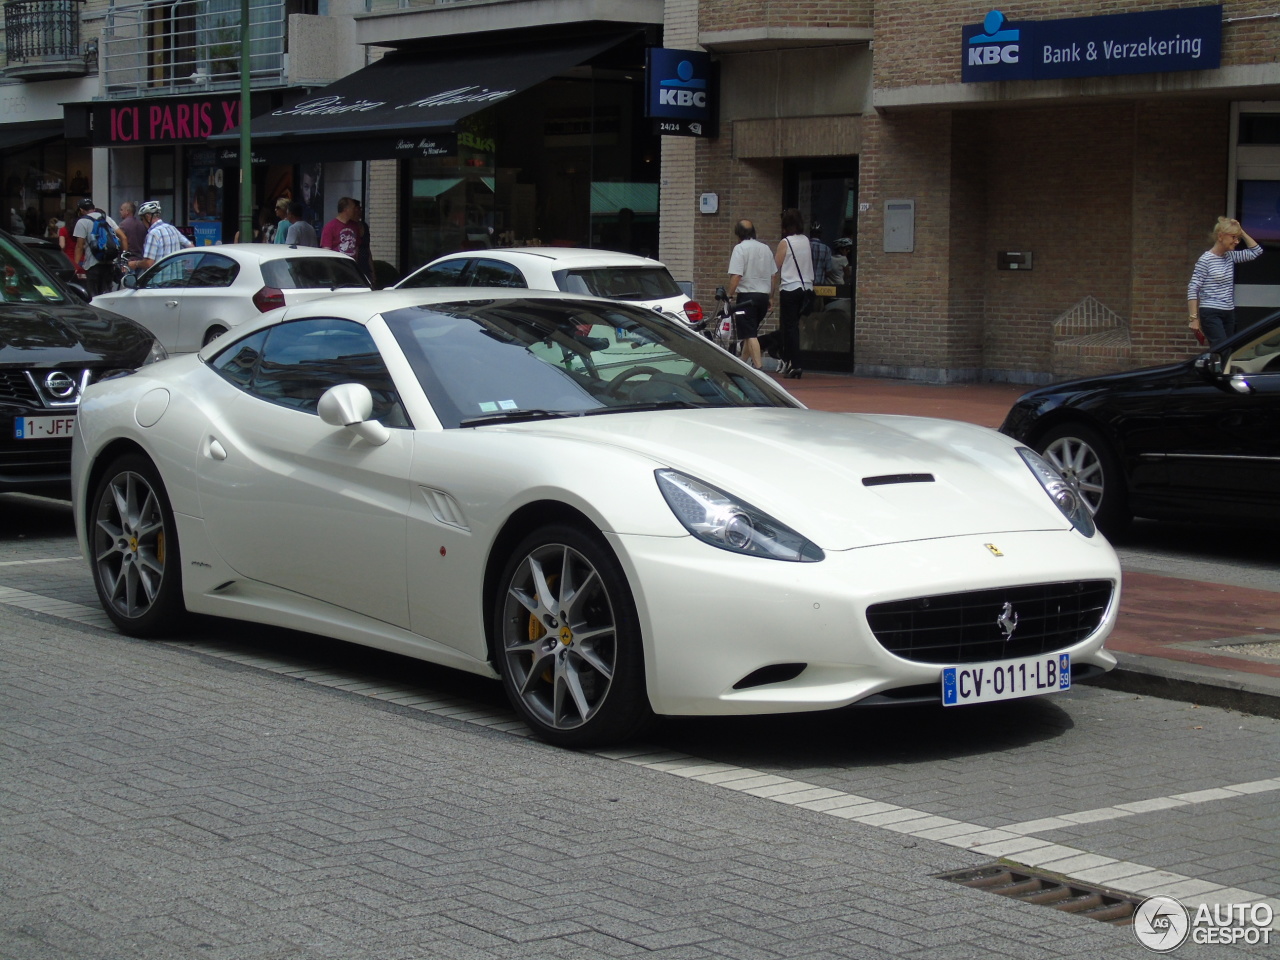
point(129, 545)
point(560, 641)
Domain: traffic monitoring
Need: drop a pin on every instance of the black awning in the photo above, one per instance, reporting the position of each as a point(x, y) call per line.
point(16, 135)
point(404, 94)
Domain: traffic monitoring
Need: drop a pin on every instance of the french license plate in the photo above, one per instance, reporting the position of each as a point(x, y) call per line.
point(1005, 679)
point(43, 428)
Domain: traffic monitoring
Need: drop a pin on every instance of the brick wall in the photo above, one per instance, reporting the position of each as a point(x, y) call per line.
point(1180, 173)
point(750, 189)
point(744, 14)
point(1114, 202)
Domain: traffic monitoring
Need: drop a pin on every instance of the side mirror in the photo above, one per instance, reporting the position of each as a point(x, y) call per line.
point(79, 289)
point(350, 405)
point(1211, 364)
point(721, 293)
point(129, 281)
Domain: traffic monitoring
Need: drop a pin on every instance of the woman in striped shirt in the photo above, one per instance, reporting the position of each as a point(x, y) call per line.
point(1211, 297)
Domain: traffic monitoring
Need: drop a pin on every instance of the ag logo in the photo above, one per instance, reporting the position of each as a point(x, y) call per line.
point(1161, 924)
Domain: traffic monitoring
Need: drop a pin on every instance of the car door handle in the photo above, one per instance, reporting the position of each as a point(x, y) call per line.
point(171, 303)
point(216, 450)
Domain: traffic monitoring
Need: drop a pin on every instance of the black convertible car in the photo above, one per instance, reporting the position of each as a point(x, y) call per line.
point(53, 344)
point(1198, 440)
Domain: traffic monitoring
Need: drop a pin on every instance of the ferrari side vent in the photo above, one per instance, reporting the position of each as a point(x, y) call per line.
point(1067, 895)
point(444, 508)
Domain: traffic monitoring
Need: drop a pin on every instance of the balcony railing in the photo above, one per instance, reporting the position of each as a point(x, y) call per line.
point(42, 39)
point(190, 46)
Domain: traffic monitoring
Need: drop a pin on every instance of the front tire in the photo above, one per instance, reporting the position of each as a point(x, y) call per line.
point(1089, 464)
point(568, 640)
point(134, 544)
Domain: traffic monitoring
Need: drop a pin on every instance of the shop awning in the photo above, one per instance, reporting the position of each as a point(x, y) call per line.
point(16, 135)
point(408, 103)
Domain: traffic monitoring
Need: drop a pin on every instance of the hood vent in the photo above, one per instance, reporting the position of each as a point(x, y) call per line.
point(889, 478)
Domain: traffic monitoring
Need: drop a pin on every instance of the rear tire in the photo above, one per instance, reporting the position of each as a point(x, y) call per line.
point(568, 640)
point(134, 543)
point(212, 334)
point(1087, 461)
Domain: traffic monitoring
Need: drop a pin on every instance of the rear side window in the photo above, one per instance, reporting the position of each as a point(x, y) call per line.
point(619, 283)
point(495, 273)
point(312, 273)
point(447, 274)
point(214, 271)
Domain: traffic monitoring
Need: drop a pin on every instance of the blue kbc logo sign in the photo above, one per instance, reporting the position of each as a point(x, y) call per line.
point(684, 90)
point(995, 44)
point(678, 84)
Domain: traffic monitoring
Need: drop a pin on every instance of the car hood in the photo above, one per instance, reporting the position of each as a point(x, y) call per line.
point(838, 479)
point(33, 334)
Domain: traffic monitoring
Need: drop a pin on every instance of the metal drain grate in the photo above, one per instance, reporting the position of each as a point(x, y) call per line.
point(1021, 884)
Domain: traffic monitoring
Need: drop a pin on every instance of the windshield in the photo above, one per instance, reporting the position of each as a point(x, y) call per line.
point(494, 360)
point(22, 280)
point(619, 283)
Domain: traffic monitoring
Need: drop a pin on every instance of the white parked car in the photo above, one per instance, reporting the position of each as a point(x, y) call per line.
point(608, 511)
point(190, 297)
point(599, 273)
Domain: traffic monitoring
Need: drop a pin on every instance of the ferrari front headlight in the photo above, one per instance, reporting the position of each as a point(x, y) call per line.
point(1064, 496)
point(723, 521)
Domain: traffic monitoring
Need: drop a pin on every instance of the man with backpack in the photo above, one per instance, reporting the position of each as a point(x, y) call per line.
point(162, 238)
point(99, 241)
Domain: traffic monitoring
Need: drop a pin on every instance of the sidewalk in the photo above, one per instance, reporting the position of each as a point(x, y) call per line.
point(1173, 639)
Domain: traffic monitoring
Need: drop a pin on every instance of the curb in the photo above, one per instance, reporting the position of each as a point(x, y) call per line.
point(1175, 680)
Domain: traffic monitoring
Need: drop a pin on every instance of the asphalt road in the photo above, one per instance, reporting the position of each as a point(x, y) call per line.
point(249, 792)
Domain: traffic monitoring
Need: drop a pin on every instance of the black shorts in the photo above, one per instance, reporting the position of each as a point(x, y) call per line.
point(749, 312)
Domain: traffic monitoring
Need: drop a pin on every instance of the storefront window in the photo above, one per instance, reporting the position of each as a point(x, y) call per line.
point(568, 163)
point(41, 183)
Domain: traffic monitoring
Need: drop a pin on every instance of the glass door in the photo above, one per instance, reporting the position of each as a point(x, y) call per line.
point(826, 194)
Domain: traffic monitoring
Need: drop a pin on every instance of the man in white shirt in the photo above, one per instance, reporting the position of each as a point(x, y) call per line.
point(751, 270)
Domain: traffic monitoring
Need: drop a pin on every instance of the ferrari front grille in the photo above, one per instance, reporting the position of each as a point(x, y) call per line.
point(996, 624)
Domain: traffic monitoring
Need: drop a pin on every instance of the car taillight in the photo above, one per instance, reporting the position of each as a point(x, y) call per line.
point(268, 298)
point(693, 311)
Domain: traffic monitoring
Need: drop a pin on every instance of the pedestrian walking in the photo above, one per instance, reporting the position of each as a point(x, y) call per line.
point(795, 274)
point(1211, 298)
point(751, 271)
point(94, 247)
point(135, 231)
point(342, 233)
point(162, 238)
point(282, 216)
point(300, 233)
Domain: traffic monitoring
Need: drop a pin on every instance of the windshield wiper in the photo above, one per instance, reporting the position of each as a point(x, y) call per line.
point(519, 416)
point(654, 405)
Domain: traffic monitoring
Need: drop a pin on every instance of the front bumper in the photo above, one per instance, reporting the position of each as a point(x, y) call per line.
point(711, 618)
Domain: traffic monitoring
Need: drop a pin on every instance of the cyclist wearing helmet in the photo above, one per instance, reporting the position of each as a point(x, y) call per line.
point(162, 238)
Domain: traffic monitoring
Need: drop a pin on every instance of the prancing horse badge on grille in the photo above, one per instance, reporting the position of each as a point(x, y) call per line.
point(1007, 621)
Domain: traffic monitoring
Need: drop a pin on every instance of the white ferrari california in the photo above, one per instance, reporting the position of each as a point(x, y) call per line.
point(610, 513)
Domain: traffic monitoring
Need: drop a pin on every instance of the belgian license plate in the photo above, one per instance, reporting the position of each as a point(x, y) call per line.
point(1005, 679)
point(43, 428)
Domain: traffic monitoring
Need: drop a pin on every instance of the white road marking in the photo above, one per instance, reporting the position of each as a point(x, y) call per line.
point(1014, 843)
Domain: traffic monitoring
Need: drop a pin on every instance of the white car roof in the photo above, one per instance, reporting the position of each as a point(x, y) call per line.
point(559, 257)
point(262, 251)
